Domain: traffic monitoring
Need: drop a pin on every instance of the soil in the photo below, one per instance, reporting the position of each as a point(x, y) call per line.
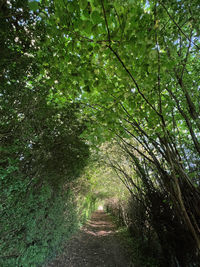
point(95, 245)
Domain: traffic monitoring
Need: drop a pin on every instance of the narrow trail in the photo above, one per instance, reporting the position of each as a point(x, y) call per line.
point(95, 245)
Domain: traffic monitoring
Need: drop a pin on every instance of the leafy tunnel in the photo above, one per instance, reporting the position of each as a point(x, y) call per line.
point(100, 104)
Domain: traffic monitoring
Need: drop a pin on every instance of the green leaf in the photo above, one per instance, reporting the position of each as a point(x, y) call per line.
point(87, 25)
point(33, 5)
point(71, 7)
point(83, 4)
point(95, 16)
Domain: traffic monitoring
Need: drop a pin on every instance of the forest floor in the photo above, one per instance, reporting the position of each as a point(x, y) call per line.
point(95, 245)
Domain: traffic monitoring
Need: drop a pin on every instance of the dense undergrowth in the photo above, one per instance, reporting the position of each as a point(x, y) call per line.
point(41, 152)
point(143, 251)
point(139, 234)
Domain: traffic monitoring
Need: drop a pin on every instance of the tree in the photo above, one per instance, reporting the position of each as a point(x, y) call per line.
point(41, 148)
point(134, 67)
point(131, 69)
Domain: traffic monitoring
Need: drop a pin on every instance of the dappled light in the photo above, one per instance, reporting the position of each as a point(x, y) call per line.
point(100, 133)
point(96, 244)
point(100, 225)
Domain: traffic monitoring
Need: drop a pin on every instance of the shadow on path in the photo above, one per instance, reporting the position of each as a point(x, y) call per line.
point(95, 245)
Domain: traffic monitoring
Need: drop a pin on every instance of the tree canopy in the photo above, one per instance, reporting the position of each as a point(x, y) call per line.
point(79, 74)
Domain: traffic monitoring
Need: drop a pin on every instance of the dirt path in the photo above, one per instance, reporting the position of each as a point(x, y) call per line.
point(95, 245)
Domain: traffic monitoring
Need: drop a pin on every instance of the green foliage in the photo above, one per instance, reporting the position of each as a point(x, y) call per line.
point(86, 204)
point(35, 226)
point(41, 148)
point(139, 250)
point(33, 5)
point(101, 71)
point(134, 71)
